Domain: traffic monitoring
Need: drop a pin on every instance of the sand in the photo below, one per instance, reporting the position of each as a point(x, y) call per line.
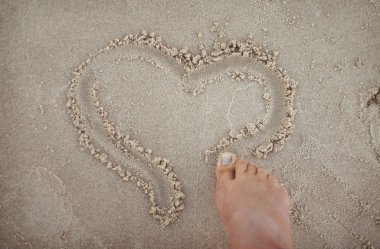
point(113, 115)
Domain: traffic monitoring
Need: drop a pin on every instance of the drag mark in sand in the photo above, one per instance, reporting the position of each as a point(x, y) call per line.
point(190, 63)
point(370, 117)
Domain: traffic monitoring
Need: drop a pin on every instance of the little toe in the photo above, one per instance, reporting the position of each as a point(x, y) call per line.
point(273, 180)
point(241, 167)
point(262, 173)
point(225, 169)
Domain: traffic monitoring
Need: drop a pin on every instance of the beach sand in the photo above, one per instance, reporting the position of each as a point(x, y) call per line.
point(113, 114)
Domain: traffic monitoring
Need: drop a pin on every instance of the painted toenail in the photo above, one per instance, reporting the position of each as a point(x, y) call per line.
point(226, 158)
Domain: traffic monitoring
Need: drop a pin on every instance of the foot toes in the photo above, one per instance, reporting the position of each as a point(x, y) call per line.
point(226, 167)
point(252, 169)
point(273, 179)
point(262, 173)
point(241, 166)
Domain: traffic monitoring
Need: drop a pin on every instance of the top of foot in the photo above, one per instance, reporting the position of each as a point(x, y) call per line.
point(252, 204)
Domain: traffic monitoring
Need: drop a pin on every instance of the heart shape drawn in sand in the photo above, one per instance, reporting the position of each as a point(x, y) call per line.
point(190, 62)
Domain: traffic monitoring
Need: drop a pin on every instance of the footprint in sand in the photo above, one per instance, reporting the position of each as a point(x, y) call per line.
point(97, 128)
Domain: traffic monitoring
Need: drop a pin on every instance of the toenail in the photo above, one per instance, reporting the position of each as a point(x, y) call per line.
point(226, 158)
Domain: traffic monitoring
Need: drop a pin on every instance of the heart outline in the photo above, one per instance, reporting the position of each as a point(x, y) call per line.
point(190, 63)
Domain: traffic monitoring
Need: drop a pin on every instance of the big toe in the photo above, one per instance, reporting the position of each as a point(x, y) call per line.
point(225, 169)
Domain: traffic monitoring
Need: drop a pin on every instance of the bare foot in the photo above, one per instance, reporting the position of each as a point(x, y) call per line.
point(253, 206)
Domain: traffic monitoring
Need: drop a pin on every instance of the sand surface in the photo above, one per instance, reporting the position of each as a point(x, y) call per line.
point(113, 113)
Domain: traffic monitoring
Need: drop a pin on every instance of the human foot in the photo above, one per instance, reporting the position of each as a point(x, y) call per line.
point(253, 206)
